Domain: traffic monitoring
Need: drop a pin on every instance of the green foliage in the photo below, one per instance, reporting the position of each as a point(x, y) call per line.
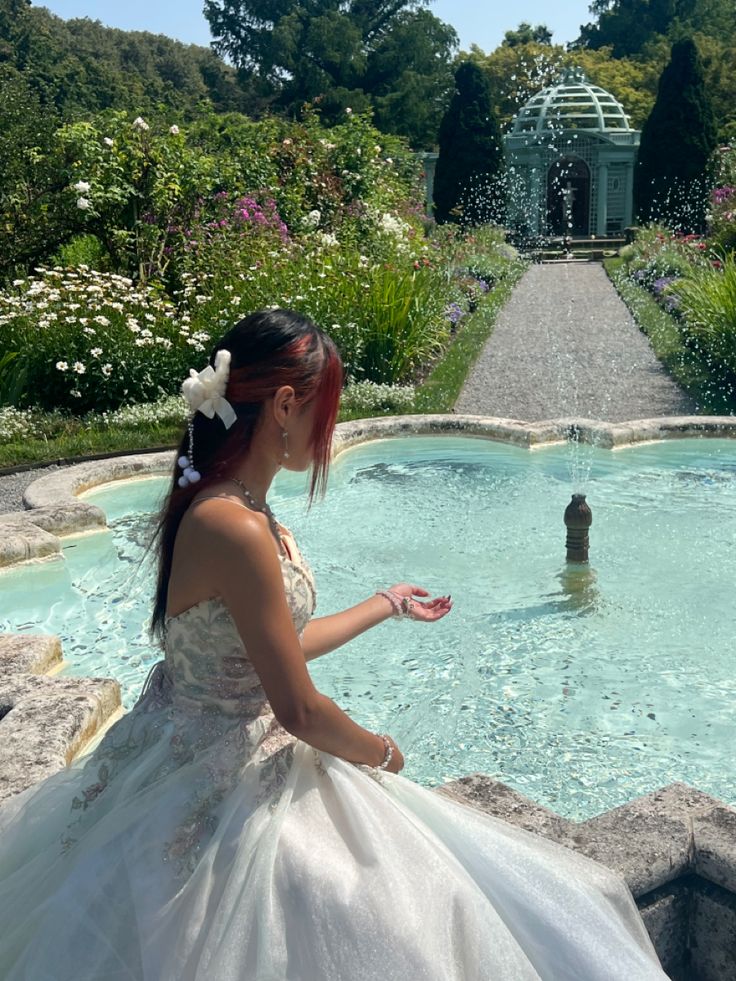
point(517, 73)
point(471, 156)
point(83, 250)
point(707, 298)
point(80, 66)
point(628, 26)
point(32, 216)
point(91, 341)
point(384, 55)
point(696, 289)
point(722, 216)
point(676, 144)
point(526, 34)
point(706, 382)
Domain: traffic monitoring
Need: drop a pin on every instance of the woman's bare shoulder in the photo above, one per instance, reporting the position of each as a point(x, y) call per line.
point(228, 530)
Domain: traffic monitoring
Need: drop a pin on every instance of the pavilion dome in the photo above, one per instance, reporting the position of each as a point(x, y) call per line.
point(572, 102)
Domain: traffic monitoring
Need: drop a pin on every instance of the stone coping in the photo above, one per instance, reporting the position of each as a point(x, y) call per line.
point(53, 508)
point(651, 840)
point(676, 849)
point(45, 721)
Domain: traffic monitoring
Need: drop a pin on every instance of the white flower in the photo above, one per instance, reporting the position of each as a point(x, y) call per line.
point(107, 370)
point(327, 238)
point(348, 110)
point(96, 352)
point(18, 282)
point(101, 320)
point(174, 130)
point(83, 203)
point(313, 219)
point(79, 368)
point(392, 225)
point(82, 187)
point(62, 365)
point(140, 123)
point(108, 141)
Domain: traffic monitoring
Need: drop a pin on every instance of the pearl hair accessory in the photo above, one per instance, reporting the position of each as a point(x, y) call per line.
point(205, 392)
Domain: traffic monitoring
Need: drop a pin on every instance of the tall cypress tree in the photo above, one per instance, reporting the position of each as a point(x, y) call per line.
point(677, 141)
point(470, 166)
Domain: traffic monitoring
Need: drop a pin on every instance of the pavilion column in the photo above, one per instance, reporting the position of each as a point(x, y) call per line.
point(602, 218)
point(629, 199)
point(536, 193)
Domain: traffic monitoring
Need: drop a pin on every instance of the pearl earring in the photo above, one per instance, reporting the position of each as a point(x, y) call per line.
point(286, 445)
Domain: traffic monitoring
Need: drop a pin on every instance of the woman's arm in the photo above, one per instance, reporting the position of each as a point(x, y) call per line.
point(247, 573)
point(323, 634)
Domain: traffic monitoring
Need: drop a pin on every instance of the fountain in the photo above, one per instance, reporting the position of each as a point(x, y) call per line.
point(578, 519)
point(506, 694)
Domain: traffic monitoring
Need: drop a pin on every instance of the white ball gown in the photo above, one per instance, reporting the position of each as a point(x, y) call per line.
point(200, 841)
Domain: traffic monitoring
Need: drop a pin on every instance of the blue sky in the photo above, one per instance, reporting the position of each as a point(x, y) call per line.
point(184, 20)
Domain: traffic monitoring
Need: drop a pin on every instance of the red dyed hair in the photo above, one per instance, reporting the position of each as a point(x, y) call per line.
point(269, 348)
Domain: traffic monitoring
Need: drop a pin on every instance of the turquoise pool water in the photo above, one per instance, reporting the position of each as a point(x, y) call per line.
point(581, 690)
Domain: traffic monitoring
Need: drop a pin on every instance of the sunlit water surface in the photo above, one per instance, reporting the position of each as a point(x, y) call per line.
point(580, 688)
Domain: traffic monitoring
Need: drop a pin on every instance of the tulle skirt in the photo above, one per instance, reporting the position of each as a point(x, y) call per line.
point(157, 862)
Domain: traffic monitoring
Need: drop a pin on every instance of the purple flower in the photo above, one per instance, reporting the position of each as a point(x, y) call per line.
point(454, 313)
point(659, 284)
point(721, 194)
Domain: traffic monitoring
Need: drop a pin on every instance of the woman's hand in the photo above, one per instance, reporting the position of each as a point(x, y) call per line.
point(432, 610)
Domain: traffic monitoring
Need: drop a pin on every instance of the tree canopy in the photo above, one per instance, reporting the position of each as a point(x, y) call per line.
point(467, 184)
point(79, 66)
point(676, 144)
point(526, 34)
point(391, 55)
point(627, 26)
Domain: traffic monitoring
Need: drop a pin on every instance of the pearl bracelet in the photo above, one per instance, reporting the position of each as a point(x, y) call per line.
point(400, 604)
point(389, 751)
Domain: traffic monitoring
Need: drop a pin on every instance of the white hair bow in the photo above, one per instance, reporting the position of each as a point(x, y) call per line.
point(205, 390)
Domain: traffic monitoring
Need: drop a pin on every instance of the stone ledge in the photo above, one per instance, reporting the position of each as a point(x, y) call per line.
point(676, 848)
point(28, 654)
point(21, 540)
point(652, 840)
point(44, 722)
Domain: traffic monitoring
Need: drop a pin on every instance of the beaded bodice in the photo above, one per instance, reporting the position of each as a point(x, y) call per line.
point(205, 659)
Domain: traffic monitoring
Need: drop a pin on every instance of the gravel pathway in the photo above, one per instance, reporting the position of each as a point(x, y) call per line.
point(13, 485)
point(566, 345)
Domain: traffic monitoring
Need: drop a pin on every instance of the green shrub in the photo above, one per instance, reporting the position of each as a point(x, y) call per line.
point(708, 305)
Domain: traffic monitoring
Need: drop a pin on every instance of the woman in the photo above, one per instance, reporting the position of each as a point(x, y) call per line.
point(236, 825)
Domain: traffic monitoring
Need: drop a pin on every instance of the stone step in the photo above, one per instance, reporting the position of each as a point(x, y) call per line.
point(45, 721)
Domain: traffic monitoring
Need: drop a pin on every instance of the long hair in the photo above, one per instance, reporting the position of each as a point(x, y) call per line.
point(269, 348)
